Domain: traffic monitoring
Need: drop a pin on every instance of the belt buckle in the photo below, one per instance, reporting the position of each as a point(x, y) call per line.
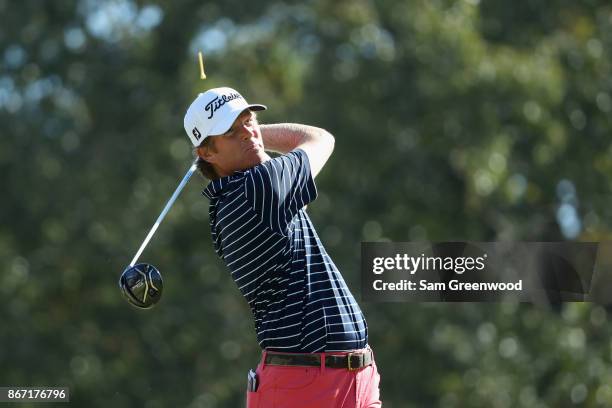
point(349, 355)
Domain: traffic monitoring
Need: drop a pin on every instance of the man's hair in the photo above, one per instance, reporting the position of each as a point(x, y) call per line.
point(205, 168)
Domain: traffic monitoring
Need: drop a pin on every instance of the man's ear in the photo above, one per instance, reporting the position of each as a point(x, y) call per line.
point(206, 153)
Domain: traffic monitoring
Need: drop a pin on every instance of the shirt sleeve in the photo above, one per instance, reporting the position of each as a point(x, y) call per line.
point(279, 188)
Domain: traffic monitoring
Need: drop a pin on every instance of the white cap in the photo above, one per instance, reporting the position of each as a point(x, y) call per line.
point(213, 112)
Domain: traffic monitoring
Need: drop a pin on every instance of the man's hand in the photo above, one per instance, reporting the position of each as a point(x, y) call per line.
point(285, 137)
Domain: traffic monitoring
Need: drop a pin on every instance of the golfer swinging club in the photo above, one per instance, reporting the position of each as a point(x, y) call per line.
point(312, 332)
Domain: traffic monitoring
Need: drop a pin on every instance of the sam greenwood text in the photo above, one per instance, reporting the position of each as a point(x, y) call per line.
point(455, 285)
point(458, 265)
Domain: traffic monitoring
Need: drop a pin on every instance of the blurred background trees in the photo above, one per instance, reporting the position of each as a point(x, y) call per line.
point(454, 120)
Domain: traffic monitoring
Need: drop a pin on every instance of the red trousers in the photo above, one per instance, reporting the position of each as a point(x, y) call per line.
point(315, 387)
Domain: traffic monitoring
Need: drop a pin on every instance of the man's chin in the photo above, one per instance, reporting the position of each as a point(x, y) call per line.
point(259, 156)
point(255, 158)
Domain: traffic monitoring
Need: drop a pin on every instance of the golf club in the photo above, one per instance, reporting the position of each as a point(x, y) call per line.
point(142, 284)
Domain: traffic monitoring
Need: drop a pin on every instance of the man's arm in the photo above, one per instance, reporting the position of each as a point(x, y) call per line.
point(285, 137)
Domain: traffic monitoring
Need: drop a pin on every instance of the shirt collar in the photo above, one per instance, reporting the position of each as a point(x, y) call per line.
point(215, 188)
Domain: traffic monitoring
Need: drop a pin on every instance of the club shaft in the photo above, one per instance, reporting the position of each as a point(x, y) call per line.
point(164, 212)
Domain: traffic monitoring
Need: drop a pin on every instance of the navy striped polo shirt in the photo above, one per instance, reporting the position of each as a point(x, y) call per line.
point(298, 298)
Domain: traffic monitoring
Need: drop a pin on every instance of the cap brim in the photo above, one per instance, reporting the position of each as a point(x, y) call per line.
point(225, 124)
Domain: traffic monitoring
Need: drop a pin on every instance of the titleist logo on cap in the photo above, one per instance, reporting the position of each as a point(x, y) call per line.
point(218, 102)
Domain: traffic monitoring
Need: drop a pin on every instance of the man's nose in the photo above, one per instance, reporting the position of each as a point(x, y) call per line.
point(247, 131)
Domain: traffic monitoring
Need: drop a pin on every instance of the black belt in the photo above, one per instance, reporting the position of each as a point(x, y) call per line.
point(350, 361)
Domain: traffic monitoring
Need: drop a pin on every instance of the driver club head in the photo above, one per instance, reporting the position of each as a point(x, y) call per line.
point(141, 285)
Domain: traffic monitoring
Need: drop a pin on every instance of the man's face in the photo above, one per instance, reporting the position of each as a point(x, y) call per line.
point(240, 148)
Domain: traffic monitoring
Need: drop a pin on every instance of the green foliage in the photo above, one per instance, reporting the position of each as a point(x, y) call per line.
point(454, 120)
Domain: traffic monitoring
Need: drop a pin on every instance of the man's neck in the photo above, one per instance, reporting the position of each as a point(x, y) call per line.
point(263, 157)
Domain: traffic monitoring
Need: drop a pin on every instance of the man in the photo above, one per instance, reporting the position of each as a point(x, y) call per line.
point(311, 330)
